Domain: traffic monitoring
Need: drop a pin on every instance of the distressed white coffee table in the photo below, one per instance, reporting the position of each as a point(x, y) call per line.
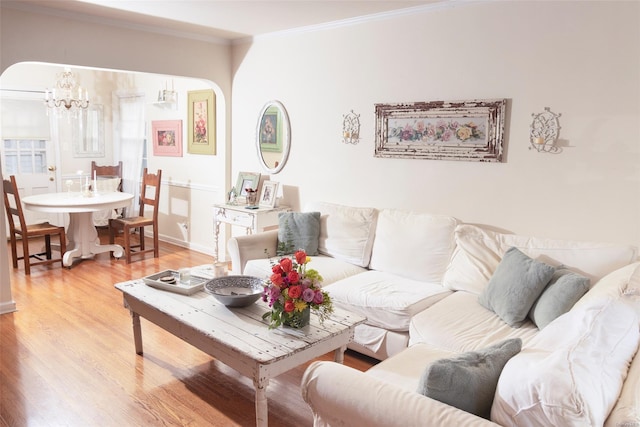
point(238, 337)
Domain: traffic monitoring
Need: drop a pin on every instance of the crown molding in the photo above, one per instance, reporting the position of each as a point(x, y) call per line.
point(427, 8)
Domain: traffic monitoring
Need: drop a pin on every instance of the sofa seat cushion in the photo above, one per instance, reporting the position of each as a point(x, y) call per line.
point(458, 323)
point(387, 300)
point(378, 343)
point(571, 374)
point(404, 369)
point(346, 232)
point(330, 269)
point(413, 245)
point(479, 251)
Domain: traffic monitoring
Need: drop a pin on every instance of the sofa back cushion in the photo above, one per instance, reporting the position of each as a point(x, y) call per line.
point(479, 251)
point(572, 372)
point(413, 245)
point(346, 232)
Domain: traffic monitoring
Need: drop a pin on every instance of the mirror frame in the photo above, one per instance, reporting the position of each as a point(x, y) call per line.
point(283, 135)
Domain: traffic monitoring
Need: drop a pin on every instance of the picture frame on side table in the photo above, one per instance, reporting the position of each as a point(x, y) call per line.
point(268, 195)
point(167, 137)
point(246, 180)
point(201, 134)
point(442, 130)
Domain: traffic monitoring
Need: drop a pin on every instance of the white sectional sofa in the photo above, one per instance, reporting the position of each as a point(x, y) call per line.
point(419, 279)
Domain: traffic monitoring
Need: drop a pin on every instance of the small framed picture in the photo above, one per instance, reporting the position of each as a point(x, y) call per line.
point(246, 180)
point(269, 193)
point(167, 137)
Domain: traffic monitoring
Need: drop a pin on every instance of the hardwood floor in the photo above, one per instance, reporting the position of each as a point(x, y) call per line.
point(67, 357)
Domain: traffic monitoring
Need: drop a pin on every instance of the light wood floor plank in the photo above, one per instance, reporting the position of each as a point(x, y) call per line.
point(67, 357)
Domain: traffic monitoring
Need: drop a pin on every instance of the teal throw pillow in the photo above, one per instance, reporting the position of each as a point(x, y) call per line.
point(562, 292)
point(468, 381)
point(515, 285)
point(298, 230)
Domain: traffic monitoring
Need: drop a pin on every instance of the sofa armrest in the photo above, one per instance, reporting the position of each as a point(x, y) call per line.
point(339, 395)
point(252, 246)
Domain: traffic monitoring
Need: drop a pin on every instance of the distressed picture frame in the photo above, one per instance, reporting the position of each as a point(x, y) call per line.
point(201, 127)
point(246, 180)
point(442, 130)
point(268, 194)
point(167, 137)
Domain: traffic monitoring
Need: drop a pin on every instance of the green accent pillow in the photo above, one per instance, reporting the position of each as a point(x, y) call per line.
point(515, 285)
point(468, 381)
point(298, 230)
point(562, 292)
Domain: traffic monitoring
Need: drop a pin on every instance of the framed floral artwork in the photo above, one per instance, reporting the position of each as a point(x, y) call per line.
point(268, 195)
point(201, 133)
point(442, 130)
point(167, 137)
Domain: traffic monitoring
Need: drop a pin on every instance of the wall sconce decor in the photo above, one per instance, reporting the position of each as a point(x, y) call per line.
point(67, 96)
point(544, 131)
point(167, 98)
point(351, 128)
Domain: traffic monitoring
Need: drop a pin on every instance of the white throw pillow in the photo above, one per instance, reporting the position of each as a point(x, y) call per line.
point(479, 251)
point(346, 232)
point(414, 245)
point(572, 372)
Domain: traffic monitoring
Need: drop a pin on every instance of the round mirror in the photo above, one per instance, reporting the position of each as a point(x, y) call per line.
point(273, 136)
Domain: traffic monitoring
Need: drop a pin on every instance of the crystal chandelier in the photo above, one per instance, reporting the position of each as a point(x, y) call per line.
point(68, 95)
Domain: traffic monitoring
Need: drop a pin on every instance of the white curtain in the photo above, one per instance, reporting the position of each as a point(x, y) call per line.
point(129, 139)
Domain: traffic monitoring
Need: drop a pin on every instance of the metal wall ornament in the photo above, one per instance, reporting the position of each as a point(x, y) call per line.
point(442, 130)
point(351, 128)
point(544, 131)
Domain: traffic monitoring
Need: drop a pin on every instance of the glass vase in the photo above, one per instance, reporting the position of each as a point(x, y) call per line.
point(298, 319)
point(252, 198)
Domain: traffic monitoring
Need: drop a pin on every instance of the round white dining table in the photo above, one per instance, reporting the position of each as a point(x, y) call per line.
point(82, 236)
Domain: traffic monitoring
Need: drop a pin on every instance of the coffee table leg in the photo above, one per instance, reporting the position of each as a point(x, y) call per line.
point(339, 354)
point(262, 409)
point(137, 332)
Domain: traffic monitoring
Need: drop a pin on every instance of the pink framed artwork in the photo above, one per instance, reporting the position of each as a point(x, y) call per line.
point(167, 137)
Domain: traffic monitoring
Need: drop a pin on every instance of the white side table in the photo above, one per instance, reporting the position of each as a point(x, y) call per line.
point(253, 220)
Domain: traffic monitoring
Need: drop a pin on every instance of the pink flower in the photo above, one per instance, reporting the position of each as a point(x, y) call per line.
point(318, 298)
point(308, 295)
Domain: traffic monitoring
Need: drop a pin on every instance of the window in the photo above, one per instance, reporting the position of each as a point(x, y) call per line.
point(25, 156)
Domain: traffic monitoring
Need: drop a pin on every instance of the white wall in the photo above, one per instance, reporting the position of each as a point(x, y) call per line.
point(581, 59)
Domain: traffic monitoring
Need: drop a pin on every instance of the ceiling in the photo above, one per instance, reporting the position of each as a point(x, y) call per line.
point(227, 20)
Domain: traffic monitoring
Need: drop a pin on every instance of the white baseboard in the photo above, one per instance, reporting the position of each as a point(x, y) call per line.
point(8, 307)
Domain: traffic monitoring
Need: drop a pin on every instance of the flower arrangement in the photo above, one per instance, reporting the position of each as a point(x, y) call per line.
point(293, 290)
point(440, 131)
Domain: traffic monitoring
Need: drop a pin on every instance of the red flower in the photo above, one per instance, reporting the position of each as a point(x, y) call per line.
point(277, 269)
point(289, 306)
point(301, 257)
point(295, 291)
point(286, 264)
point(276, 279)
point(294, 277)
